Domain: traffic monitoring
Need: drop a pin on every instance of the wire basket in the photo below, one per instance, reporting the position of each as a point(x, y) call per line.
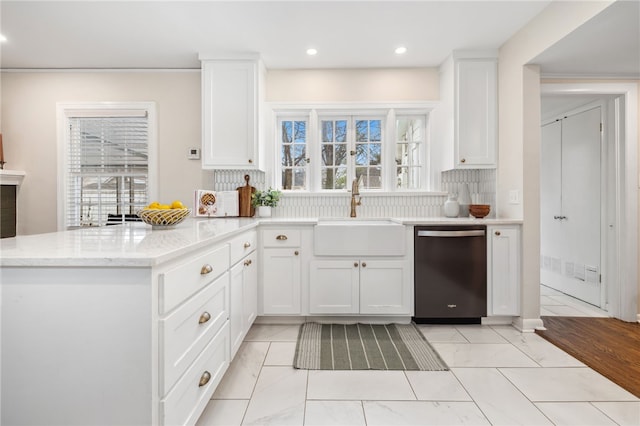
point(163, 218)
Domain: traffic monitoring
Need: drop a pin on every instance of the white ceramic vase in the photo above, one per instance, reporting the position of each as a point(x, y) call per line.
point(264, 211)
point(451, 206)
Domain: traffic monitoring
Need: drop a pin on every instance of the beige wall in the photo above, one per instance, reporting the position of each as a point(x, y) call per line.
point(29, 129)
point(29, 125)
point(353, 85)
point(519, 138)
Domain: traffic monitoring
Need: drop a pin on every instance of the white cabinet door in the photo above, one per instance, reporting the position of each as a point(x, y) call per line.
point(503, 270)
point(281, 281)
point(384, 288)
point(235, 308)
point(230, 114)
point(334, 287)
point(243, 296)
point(475, 113)
point(250, 291)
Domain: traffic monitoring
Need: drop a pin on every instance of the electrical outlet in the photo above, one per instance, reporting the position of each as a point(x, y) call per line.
point(514, 196)
point(193, 154)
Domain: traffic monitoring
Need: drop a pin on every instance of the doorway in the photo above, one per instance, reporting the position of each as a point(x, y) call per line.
point(618, 205)
point(573, 176)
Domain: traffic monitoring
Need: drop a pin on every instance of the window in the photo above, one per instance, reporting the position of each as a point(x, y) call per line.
point(384, 148)
point(293, 139)
point(409, 146)
point(107, 165)
point(351, 147)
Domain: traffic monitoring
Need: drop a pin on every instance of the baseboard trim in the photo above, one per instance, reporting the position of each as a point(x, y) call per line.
point(638, 317)
point(528, 325)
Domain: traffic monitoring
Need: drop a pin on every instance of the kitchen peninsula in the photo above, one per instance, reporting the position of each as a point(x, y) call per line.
point(128, 324)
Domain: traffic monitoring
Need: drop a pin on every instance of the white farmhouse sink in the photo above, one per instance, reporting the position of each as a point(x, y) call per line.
point(358, 237)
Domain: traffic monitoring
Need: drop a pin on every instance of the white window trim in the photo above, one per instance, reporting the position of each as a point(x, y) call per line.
point(64, 110)
point(361, 109)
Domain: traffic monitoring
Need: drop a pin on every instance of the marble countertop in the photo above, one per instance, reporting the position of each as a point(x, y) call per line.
point(136, 244)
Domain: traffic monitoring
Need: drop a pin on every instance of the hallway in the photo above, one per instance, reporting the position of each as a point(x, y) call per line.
point(555, 303)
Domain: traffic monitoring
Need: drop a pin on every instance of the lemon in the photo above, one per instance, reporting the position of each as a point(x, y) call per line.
point(164, 207)
point(177, 205)
point(154, 205)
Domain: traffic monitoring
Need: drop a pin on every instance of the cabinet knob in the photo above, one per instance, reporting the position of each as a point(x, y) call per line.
point(206, 269)
point(247, 262)
point(247, 244)
point(204, 379)
point(206, 316)
point(296, 252)
point(497, 233)
point(281, 237)
point(364, 264)
point(463, 160)
point(250, 161)
point(355, 264)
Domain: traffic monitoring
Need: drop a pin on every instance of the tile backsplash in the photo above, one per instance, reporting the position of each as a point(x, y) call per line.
point(482, 186)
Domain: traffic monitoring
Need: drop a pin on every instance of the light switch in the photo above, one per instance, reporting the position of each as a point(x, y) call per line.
point(514, 197)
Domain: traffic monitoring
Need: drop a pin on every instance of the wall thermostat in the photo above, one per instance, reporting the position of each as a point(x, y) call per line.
point(194, 154)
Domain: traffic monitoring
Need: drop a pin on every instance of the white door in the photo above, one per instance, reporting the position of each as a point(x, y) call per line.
point(570, 236)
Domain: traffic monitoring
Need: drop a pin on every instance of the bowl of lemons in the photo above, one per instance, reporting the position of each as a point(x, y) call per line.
point(163, 216)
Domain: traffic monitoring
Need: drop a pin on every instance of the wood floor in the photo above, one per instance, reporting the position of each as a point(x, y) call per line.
point(607, 345)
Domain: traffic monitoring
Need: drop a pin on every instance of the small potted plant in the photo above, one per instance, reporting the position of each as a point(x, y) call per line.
point(264, 201)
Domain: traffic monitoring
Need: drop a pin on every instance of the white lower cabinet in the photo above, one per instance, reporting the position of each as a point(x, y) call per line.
point(359, 286)
point(244, 299)
point(503, 280)
point(281, 281)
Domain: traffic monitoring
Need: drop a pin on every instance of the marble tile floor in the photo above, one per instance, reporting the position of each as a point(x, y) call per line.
point(497, 376)
point(555, 303)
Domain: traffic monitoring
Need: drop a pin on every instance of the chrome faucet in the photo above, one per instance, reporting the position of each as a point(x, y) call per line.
point(355, 190)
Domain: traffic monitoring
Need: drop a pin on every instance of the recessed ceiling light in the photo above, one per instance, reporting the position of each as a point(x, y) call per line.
point(312, 51)
point(2, 38)
point(400, 50)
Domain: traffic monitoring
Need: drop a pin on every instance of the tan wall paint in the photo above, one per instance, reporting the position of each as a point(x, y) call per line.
point(353, 85)
point(519, 141)
point(29, 130)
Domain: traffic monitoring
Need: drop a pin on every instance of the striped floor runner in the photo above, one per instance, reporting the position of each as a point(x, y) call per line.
point(364, 347)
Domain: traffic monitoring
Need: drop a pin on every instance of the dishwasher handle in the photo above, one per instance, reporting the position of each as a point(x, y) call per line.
point(452, 234)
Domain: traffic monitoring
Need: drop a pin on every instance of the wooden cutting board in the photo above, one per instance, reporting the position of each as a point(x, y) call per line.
point(244, 199)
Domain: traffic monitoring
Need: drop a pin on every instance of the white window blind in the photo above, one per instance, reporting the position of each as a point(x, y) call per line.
point(108, 168)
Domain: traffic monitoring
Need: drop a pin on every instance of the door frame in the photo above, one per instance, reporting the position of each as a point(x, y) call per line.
point(623, 287)
point(607, 122)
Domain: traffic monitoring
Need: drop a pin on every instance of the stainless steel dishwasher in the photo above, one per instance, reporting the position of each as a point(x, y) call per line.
point(450, 274)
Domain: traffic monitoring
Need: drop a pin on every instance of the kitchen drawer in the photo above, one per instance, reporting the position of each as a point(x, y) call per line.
point(281, 238)
point(242, 245)
point(186, 401)
point(185, 332)
point(177, 284)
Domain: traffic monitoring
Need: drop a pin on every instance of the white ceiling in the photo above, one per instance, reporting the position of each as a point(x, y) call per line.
point(84, 34)
point(171, 34)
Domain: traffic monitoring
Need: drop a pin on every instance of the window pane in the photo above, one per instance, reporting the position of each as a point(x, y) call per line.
point(409, 129)
point(341, 131)
point(341, 178)
point(287, 178)
point(327, 155)
point(341, 155)
point(327, 131)
point(375, 133)
point(362, 131)
point(362, 159)
point(287, 156)
point(300, 132)
point(300, 178)
point(375, 153)
point(300, 157)
point(286, 132)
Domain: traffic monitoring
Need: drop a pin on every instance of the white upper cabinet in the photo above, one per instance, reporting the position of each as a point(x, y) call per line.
point(469, 94)
point(231, 96)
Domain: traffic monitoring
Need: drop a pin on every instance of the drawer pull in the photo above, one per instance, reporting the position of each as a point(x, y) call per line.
point(497, 233)
point(355, 264)
point(364, 264)
point(281, 237)
point(452, 306)
point(247, 262)
point(206, 316)
point(296, 252)
point(204, 379)
point(206, 269)
point(463, 160)
point(247, 245)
